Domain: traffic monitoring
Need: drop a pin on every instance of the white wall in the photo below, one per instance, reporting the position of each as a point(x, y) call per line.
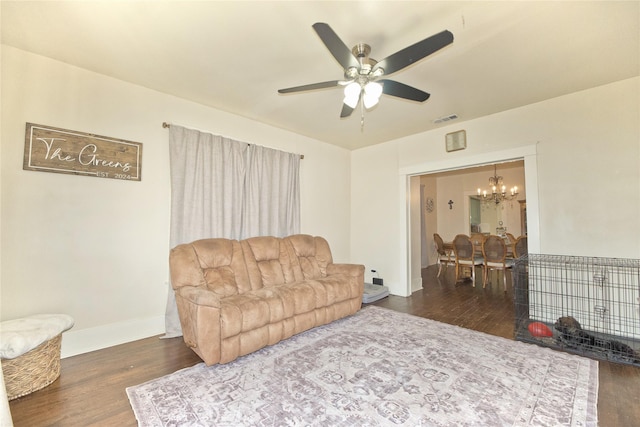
point(97, 249)
point(431, 218)
point(459, 186)
point(375, 209)
point(586, 167)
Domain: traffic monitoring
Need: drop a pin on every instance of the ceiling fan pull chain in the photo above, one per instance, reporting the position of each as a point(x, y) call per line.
point(361, 118)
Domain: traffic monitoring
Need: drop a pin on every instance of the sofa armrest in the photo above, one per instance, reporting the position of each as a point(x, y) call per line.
point(354, 270)
point(199, 296)
point(199, 310)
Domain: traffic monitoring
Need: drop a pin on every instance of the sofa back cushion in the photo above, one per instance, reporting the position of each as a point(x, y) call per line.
point(228, 267)
point(219, 263)
point(268, 261)
point(313, 255)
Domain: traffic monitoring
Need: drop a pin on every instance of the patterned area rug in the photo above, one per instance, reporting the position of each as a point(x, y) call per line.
point(378, 368)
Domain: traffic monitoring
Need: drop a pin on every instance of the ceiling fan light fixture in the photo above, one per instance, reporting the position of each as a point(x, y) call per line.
point(352, 94)
point(378, 72)
point(352, 90)
point(369, 101)
point(351, 73)
point(372, 92)
point(373, 89)
point(351, 102)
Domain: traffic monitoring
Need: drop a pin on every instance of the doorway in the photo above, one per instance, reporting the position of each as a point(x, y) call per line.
point(410, 183)
point(469, 212)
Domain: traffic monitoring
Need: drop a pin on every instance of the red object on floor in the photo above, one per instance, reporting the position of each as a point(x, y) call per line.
point(538, 329)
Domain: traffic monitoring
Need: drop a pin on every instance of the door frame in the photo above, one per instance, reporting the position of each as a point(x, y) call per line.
point(411, 224)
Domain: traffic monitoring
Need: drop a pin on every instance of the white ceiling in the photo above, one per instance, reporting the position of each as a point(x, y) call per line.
point(234, 56)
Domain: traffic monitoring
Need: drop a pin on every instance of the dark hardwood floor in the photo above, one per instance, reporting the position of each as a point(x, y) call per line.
point(91, 387)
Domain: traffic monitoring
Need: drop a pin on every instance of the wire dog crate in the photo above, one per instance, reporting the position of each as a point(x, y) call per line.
point(583, 305)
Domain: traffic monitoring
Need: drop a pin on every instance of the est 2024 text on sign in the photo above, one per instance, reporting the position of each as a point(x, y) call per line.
point(50, 149)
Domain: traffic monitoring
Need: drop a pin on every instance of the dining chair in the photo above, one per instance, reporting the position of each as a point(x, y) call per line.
point(466, 256)
point(494, 251)
point(477, 239)
point(511, 244)
point(520, 247)
point(444, 255)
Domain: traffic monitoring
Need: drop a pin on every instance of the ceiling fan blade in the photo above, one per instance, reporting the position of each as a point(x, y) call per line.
point(313, 86)
point(415, 52)
point(346, 111)
point(336, 46)
point(401, 90)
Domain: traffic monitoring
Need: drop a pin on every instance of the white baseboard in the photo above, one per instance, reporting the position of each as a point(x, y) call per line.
point(91, 339)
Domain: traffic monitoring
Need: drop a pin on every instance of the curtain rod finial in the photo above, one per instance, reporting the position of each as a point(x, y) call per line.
point(165, 125)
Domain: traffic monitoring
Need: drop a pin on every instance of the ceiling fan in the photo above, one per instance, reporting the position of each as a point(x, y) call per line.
point(363, 75)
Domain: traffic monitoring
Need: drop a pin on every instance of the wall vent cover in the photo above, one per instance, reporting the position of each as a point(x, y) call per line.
point(456, 141)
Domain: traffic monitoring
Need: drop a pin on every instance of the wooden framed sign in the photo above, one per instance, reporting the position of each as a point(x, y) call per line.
point(50, 149)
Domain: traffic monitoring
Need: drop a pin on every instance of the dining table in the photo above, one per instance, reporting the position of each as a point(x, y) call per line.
point(448, 247)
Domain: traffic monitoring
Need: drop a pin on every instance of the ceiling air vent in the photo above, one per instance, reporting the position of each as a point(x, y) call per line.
point(446, 118)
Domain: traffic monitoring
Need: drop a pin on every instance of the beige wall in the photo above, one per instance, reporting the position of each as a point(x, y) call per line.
point(458, 186)
point(95, 248)
point(583, 177)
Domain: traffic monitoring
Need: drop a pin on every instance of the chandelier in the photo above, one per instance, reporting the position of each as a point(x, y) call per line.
point(498, 190)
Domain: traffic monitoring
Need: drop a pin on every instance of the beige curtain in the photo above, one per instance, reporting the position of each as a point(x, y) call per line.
point(272, 199)
point(226, 188)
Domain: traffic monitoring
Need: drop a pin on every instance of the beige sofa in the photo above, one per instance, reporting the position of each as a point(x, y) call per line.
point(236, 297)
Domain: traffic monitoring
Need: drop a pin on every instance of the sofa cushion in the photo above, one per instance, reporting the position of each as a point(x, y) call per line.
point(221, 280)
point(223, 266)
point(301, 296)
point(313, 254)
point(242, 313)
point(336, 288)
point(268, 261)
point(280, 307)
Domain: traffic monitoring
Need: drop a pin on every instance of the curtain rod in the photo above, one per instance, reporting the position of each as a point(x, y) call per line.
point(167, 125)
